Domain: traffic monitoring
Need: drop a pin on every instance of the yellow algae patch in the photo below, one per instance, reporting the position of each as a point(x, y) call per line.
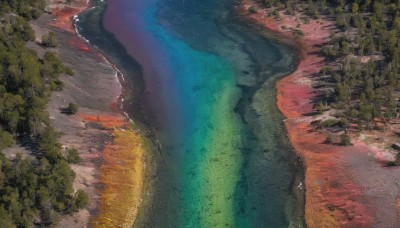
point(122, 175)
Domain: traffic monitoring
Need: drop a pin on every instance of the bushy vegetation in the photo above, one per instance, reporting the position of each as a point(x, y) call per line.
point(38, 189)
point(71, 109)
point(329, 139)
point(73, 156)
point(366, 51)
point(50, 40)
point(345, 139)
point(25, 8)
point(252, 9)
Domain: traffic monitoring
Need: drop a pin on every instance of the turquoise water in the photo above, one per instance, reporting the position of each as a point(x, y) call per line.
point(210, 159)
point(202, 82)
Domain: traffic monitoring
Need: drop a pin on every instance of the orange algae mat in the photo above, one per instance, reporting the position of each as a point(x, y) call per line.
point(122, 172)
point(122, 175)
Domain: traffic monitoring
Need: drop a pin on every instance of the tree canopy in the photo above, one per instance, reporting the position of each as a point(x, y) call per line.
point(366, 51)
point(35, 190)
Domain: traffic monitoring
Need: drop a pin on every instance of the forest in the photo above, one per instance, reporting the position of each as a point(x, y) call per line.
point(360, 77)
point(37, 189)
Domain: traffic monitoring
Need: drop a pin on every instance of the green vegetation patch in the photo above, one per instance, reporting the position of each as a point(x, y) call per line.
point(36, 190)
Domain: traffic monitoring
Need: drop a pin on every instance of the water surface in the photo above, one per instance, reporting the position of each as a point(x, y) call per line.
point(202, 81)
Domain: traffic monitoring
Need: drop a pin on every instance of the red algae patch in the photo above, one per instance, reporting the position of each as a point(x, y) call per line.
point(332, 198)
point(79, 44)
point(398, 205)
point(115, 105)
point(63, 12)
point(296, 98)
point(63, 17)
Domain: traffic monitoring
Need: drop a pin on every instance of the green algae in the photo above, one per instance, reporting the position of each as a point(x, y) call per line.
point(218, 168)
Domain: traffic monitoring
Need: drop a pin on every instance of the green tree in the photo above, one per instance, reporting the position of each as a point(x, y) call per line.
point(6, 140)
point(52, 66)
point(345, 139)
point(50, 40)
point(42, 186)
point(49, 146)
point(329, 139)
point(320, 107)
point(6, 220)
point(73, 156)
point(72, 109)
point(81, 199)
point(354, 7)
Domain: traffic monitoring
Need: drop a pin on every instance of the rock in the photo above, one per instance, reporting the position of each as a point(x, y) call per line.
point(396, 146)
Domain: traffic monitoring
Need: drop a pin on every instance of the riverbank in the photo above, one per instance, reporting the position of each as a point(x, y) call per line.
point(345, 186)
point(98, 130)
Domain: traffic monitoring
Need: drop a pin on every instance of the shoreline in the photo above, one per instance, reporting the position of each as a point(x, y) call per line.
point(343, 184)
point(99, 128)
point(144, 209)
point(294, 207)
point(128, 72)
point(336, 195)
point(271, 104)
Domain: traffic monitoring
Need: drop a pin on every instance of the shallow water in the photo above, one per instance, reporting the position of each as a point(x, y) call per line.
point(203, 82)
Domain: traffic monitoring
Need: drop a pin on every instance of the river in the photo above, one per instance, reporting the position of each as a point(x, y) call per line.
point(201, 82)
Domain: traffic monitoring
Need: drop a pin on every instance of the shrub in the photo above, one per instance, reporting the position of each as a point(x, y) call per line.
point(320, 107)
point(72, 109)
point(57, 85)
point(69, 71)
point(50, 40)
point(345, 139)
point(276, 14)
point(81, 199)
point(73, 156)
point(298, 33)
point(329, 139)
point(252, 9)
point(6, 139)
point(330, 123)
